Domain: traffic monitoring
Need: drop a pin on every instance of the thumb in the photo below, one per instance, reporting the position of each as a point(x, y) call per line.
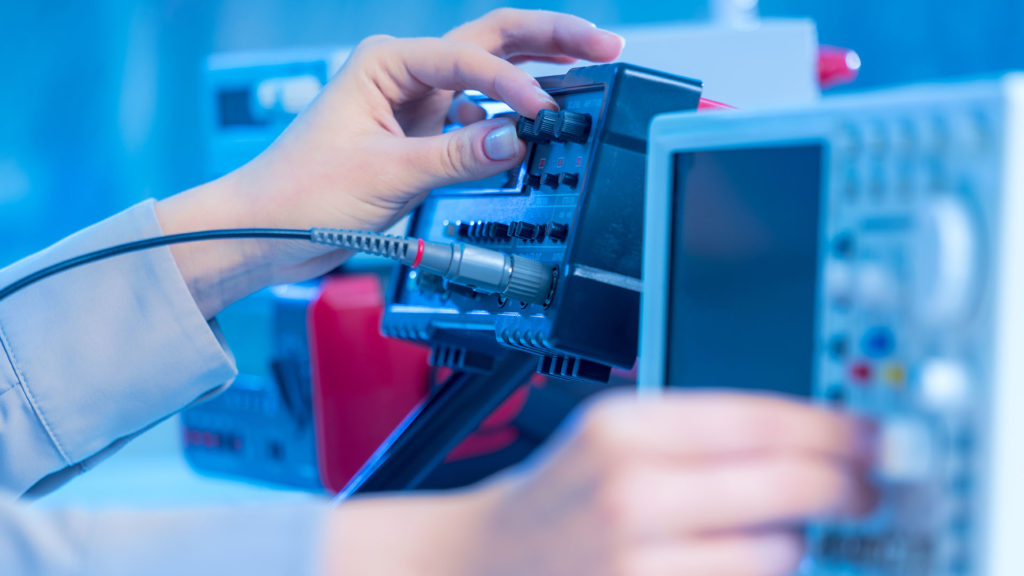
point(476, 151)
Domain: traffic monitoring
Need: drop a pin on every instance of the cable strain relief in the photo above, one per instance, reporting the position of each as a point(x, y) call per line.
point(393, 247)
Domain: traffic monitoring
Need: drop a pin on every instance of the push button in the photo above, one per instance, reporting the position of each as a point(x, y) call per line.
point(878, 342)
point(551, 180)
point(571, 179)
point(496, 230)
point(526, 231)
point(558, 232)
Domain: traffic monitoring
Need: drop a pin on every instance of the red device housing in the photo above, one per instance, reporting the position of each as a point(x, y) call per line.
point(363, 383)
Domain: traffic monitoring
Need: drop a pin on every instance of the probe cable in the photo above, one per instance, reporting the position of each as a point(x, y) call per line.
point(484, 270)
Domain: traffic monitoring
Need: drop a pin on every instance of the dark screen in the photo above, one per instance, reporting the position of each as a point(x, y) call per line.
point(744, 269)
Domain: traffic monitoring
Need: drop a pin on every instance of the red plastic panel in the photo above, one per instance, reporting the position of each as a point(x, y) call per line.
point(363, 383)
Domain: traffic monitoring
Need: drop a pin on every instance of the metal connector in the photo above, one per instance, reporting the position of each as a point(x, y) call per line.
point(489, 271)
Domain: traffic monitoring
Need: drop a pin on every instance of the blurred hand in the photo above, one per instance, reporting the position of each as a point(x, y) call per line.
point(691, 484)
point(371, 146)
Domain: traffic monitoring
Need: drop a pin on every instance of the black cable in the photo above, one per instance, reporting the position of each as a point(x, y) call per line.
point(147, 243)
point(483, 270)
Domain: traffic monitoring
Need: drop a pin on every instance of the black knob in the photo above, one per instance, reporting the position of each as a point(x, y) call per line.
point(547, 124)
point(533, 180)
point(526, 129)
point(551, 180)
point(573, 127)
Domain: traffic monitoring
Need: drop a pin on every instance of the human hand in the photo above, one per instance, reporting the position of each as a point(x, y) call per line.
point(371, 146)
point(696, 483)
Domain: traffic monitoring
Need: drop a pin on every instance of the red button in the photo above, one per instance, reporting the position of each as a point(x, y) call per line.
point(211, 440)
point(860, 372)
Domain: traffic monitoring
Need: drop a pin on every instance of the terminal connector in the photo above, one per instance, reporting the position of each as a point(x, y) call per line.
point(488, 271)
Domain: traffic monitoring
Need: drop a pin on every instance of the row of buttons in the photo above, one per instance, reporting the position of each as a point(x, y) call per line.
point(212, 440)
point(552, 180)
point(908, 554)
point(876, 342)
point(480, 230)
point(969, 131)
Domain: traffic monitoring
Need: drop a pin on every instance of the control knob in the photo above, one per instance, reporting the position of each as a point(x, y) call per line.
point(529, 131)
point(547, 124)
point(573, 127)
point(945, 261)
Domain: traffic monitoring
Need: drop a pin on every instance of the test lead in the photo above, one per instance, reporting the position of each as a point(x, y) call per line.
point(489, 271)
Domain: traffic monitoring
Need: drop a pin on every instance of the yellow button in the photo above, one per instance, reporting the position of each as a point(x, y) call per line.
point(894, 375)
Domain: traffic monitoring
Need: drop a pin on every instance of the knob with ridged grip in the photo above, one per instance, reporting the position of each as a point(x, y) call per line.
point(527, 130)
point(573, 127)
point(547, 124)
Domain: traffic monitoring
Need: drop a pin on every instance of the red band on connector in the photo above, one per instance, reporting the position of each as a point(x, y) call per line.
point(419, 253)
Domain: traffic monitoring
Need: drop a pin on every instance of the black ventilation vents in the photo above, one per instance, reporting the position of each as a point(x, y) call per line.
point(572, 368)
point(460, 359)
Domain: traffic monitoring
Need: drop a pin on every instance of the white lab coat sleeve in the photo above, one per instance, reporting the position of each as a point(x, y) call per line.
point(278, 540)
point(93, 356)
point(90, 358)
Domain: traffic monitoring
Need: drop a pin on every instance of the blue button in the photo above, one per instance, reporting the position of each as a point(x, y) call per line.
point(878, 342)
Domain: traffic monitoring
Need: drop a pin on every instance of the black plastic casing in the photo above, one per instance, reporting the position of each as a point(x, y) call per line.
point(594, 313)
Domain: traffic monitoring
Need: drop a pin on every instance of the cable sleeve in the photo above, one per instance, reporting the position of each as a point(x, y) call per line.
point(394, 247)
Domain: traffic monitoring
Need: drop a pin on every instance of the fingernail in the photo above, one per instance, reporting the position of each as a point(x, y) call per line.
point(622, 40)
point(502, 142)
point(543, 94)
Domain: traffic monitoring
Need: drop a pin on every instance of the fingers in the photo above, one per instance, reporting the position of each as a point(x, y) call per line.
point(406, 69)
point(655, 500)
point(765, 554)
point(479, 150)
point(547, 59)
point(465, 111)
point(539, 34)
point(710, 425)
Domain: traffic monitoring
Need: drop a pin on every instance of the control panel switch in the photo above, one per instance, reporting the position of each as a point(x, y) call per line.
point(573, 127)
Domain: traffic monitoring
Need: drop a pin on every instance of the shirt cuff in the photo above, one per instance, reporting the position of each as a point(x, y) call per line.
point(100, 352)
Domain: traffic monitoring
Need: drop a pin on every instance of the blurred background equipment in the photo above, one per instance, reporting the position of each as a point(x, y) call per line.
point(866, 253)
